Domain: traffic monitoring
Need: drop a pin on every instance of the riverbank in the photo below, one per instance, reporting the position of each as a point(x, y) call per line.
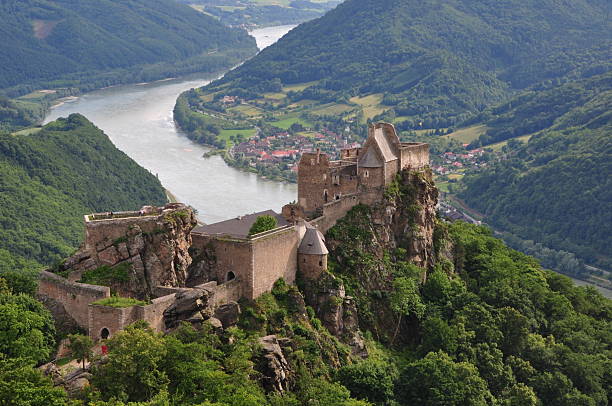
point(47, 97)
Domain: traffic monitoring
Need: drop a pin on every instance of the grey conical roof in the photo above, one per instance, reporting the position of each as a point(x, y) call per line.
point(313, 243)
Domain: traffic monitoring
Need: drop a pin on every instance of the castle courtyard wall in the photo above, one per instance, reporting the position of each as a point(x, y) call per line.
point(114, 319)
point(274, 257)
point(100, 234)
point(73, 295)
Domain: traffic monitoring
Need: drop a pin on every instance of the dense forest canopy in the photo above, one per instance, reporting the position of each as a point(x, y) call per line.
point(52, 42)
point(556, 188)
point(433, 59)
point(51, 178)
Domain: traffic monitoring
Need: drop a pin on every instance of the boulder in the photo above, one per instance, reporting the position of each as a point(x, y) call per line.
point(228, 314)
point(215, 324)
point(272, 364)
point(187, 305)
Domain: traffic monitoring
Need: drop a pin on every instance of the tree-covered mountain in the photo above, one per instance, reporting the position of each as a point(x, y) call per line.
point(50, 178)
point(436, 62)
point(254, 13)
point(66, 42)
point(555, 189)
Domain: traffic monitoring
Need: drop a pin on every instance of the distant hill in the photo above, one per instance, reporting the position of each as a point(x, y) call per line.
point(556, 188)
point(436, 62)
point(257, 13)
point(72, 43)
point(51, 177)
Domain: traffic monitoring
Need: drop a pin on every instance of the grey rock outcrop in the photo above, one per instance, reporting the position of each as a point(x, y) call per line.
point(272, 364)
point(228, 314)
point(188, 305)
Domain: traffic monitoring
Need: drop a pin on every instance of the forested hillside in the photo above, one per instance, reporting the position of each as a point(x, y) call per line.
point(488, 328)
point(555, 189)
point(49, 179)
point(74, 43)
point(436, 62)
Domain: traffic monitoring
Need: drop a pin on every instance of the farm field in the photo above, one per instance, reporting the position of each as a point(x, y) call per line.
point(469, 134)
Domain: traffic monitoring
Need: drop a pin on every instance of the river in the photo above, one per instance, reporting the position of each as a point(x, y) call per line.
point(138, 119)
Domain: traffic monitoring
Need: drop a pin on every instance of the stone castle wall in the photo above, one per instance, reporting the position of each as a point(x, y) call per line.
point(115, 319)
point(224, 293)
point(74, 296)
point(312, 266)
point(100, 234)
point(255, 263)
point(414, 155)
point(391, 170)
point(334, 211)
point(233, 256)
point(313, 171)
point(274, 257)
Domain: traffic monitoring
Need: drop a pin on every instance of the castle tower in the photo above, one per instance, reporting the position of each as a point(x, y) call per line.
point(312, 254)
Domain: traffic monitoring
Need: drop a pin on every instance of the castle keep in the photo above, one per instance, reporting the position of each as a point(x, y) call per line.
point(167, 260)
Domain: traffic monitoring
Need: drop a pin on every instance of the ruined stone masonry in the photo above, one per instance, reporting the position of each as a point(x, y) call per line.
point(189, 272)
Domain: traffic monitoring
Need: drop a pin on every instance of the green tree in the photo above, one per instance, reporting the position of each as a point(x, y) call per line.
point(263, 223)
point(438, 380)
point(20, 282)
point(21, 384)
point(26, 328)
point(81, 347)
point(405, 300)
point(369, 380)
point(133, 369)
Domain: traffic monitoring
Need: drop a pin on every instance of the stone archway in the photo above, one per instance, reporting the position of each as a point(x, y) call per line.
point(230, 276)
point(104, 333)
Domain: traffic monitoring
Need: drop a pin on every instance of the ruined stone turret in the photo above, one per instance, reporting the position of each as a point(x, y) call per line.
point(312, 254)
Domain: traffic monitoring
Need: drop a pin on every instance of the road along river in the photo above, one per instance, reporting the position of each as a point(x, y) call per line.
point(138, 119)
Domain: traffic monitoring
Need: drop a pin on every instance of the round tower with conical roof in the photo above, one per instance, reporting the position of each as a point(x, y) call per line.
point(312, 254)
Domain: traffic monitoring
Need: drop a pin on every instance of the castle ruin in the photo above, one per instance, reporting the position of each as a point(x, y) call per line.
point(169, 257)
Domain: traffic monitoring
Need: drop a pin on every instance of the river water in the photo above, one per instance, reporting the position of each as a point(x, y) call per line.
point(138, 119)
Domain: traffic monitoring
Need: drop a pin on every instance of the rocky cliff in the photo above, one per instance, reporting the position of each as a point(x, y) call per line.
point(133, 255)
point(370, 248)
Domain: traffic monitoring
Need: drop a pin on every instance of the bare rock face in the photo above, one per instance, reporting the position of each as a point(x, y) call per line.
point(337, 311)
point(228, 314)
point(272, 364)
point(189, 305)
point(408, 220)
point(203, 268)
point(151, 247)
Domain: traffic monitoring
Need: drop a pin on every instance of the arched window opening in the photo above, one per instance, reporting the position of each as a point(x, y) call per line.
point(325, 196)
point(320, 263)
point(104, 333)
point(230, 276)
